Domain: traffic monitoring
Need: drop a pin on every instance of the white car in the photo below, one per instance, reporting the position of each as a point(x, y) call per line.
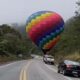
point(48, 59)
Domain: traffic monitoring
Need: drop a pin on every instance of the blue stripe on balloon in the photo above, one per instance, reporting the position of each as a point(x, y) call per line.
point(50, 37)
point(49, 33)
point(33, 16)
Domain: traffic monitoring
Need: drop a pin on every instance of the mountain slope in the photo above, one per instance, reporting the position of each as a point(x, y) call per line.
point(12, 44)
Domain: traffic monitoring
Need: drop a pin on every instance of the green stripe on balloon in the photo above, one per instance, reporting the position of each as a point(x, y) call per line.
point(52, 37)
point(48, 38)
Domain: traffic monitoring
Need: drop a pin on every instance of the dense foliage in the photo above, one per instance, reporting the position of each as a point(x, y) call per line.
point(12, 43)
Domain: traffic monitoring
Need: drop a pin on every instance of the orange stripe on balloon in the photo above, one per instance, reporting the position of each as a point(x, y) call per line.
point(52, 43)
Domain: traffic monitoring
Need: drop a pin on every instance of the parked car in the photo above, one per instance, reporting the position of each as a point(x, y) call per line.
point(48, 59)
point(69, 67)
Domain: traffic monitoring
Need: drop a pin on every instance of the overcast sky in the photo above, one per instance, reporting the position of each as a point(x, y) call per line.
point(12, 11)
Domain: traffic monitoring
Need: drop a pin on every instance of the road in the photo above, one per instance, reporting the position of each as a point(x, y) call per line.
point(34, 69)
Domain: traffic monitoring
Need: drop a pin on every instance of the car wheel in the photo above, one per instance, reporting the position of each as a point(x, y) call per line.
point(52, 63)
point(58, 71)
point(78, 75)
point(45, 62)
point(64, 72)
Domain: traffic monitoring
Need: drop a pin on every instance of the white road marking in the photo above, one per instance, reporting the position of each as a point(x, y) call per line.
point(47, 75)
point(49, 67)
point(55, 70)
point(8, 64)
point(67, 78)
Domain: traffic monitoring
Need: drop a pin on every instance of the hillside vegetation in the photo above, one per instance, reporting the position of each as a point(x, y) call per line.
point(69, 45)
point(12, 45)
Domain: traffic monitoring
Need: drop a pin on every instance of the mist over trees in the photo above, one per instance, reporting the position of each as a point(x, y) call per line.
point(78, 9)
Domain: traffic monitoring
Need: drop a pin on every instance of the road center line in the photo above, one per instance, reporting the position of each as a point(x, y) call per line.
point(23, 73)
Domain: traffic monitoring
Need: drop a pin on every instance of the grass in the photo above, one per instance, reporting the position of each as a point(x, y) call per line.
point(11, 58)
point(74, 56)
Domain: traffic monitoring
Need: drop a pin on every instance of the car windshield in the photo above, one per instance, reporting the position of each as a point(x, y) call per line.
point(49, 57)
point(72, 62)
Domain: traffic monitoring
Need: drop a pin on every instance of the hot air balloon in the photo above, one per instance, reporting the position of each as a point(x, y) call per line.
point(44, 29)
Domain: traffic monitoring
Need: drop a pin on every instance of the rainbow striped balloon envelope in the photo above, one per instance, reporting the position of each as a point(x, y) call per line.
point(44, 29)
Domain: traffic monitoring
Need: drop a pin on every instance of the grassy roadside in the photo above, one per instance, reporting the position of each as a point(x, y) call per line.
point(5, 59)
point(72, 56)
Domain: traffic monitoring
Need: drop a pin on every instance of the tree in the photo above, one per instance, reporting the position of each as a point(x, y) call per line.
point(11, 42)
point(78, 10)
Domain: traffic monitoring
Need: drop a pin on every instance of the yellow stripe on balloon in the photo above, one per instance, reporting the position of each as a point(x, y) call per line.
point(33, 23)
point(48, 14)
point(37, 20)
point(46, 45)
point(43, 16)
point(28, 27)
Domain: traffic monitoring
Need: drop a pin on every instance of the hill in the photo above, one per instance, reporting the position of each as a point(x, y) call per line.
point(12, 44)
point(19, 27)
point(69, 45)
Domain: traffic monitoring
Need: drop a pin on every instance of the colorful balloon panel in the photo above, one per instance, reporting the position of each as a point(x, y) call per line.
point(44, 28)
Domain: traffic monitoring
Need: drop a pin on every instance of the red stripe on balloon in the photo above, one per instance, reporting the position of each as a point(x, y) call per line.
point(44, 26)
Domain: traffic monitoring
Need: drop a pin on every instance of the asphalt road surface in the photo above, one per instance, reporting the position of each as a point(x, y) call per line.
point(34, 69)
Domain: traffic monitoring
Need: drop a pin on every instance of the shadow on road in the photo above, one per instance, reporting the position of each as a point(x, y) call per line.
point(73, 76)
